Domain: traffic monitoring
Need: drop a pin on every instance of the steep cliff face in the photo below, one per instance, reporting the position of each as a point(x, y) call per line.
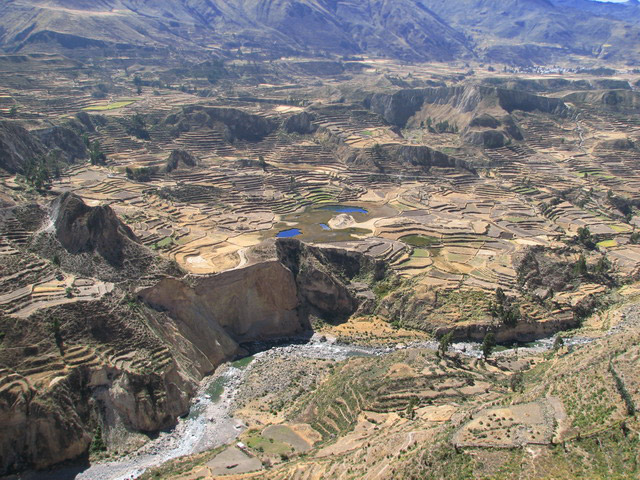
point(17, 147)
point(405, 160)
point(57, 423)
point(461, 104)
point(613, 100)
point(323, 275)
point(20, 147)
point(77, 367)
point(66, 141)
point(217, 313)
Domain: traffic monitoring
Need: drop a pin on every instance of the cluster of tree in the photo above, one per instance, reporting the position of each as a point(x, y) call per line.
point(212, 70)
point(505, 309)
point(142, 174)
point(441, 127)
point(96, 155)
point(635, 238)
point(600, 271)
point(488, 345)
point(56, 330)
point(586, 239)
point(38, 172)
point(622, 204)
point(100, 91)
point(137, 126)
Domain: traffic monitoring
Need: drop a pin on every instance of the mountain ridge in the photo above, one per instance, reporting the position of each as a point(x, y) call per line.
point(411, 30)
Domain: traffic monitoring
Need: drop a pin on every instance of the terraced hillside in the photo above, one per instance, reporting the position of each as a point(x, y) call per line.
point(567, 414)
point(159, 216)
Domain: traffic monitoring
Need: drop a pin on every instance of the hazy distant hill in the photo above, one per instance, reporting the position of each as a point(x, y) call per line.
point(541, 31)
point(515, 31)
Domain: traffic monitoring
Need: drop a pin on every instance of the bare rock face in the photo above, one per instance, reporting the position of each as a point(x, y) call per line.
point(400, 107)
point(270, 299)
point(81, 228)
point(219, 312)
point(47, 427)
point(299, 123)
point(66, 141)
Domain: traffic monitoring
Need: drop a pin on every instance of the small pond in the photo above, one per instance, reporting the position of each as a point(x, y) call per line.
point(292, 232)
point(344, 209)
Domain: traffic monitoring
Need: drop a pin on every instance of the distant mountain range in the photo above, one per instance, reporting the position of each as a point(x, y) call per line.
point(520, 32)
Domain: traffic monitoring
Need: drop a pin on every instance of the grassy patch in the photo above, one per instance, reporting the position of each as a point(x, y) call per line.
point(256, 441)
point(420, 240)
point(420, 253)
point(608, 244)
point(111, 106)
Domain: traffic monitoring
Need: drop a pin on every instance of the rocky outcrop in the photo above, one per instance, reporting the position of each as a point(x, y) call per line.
point(620, 144)
point(486, 138)
point(232, 123)
point(403, 159)
point(81, 228)
point(38, 432)
point(301, 123)
point(44, 428)
point(217, 313)
point(613, 100)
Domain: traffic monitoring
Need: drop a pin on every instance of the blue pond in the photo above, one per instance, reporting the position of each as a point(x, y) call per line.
point(325, 226)
point(341, 209)
point(294, 232)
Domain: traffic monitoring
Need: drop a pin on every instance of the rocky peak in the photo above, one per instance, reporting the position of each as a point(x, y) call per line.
point(81, 228)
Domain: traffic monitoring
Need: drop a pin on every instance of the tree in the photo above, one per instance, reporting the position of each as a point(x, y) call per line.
point(410, 411)
point(96, 155)
point(13, 111)
point(516, 382)
point(57, 334)
point(635, 238)
point(500, 296)
point(488, 345)
point(137, 126)
point(580, 267)
point(585, 238)
point(445, 343)
point(558, 343)
point(603, 266)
